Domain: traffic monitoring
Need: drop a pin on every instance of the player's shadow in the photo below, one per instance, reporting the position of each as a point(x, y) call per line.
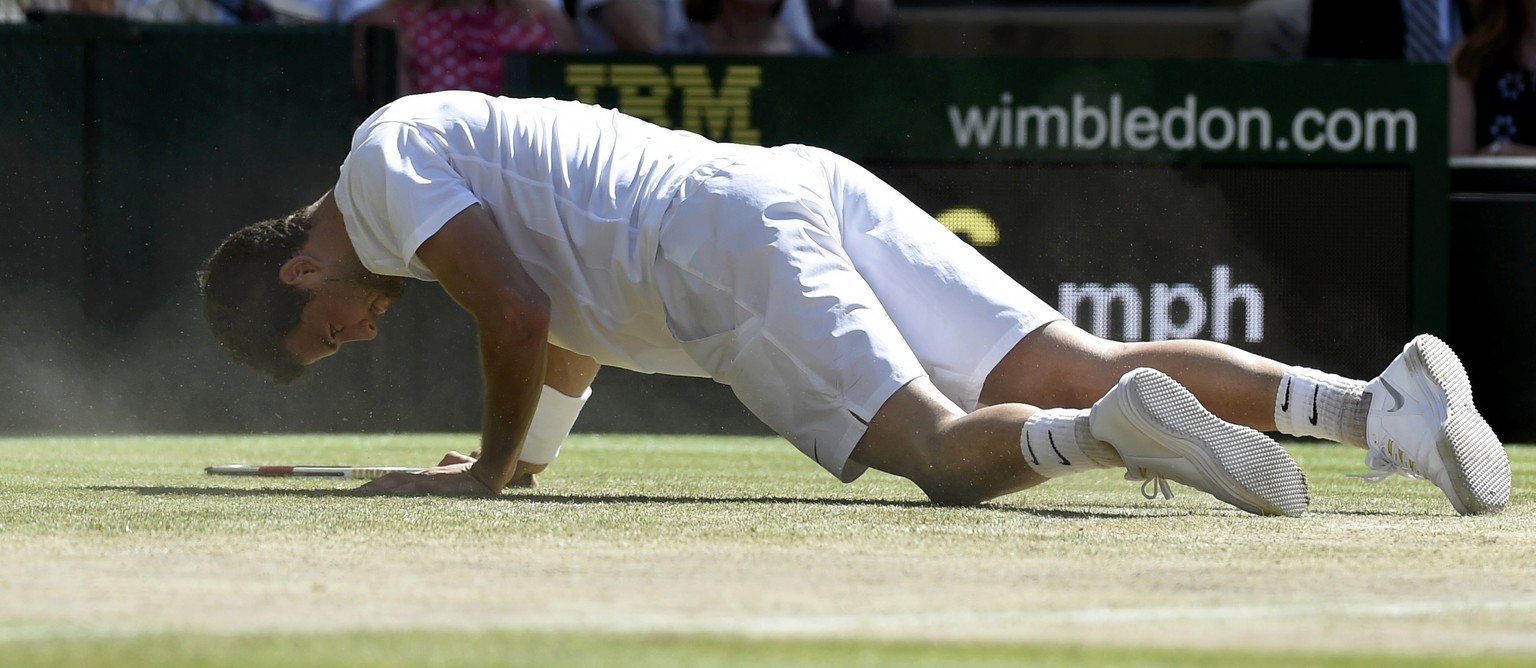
point(221, 491)
point(630, 499)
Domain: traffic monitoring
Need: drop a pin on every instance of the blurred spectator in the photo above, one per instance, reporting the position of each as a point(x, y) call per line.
point(641, 26)
point(460, 44)
point(246, 11)
point(1493, 90)
point(623, 26)
point(86, 6)
point(1273, 30)
point(739, 27)
point(13, 11)
point(152, 11)
point(1412, 30)
point(194, 11)
point(853, 26)
point(327, 11)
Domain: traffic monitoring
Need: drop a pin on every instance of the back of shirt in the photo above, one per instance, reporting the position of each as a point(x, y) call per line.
point(578, 192)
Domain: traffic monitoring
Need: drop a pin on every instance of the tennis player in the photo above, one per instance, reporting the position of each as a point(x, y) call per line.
point(839, 313)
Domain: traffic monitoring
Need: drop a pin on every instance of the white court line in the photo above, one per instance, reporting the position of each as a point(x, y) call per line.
point(820, 624)
point(28, 633)
point(769, 624)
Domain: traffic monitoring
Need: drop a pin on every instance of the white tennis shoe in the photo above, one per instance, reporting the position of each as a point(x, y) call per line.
point(1163, 433)
point(1422, 424)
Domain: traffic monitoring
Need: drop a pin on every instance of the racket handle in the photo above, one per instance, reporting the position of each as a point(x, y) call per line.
point(345, 472)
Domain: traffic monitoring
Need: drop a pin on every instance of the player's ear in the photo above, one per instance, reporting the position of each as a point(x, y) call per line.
point(299, 271)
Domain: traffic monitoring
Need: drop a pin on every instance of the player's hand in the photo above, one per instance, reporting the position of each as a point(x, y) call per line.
point(522, 477)
point(451, 480)
point(456, 457)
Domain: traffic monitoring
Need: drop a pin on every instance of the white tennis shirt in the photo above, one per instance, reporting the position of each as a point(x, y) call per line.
point(578, 191)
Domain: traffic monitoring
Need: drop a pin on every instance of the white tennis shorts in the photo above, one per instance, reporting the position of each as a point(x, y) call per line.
point(815, 291)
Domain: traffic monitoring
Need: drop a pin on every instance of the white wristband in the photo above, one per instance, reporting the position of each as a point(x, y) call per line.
point(552, 422)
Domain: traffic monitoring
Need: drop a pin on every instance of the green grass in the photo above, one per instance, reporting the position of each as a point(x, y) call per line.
point(573, 650)
point(642, 550)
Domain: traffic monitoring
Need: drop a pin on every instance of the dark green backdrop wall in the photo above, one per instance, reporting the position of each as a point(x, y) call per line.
point(126, 154)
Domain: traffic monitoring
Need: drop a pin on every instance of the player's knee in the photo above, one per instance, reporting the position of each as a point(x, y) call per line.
point(922, 461)
point(949, 480)
point(953, 493)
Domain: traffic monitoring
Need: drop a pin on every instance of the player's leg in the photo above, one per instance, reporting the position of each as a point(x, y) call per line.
point(961, 315)
point(1431, 431)
point(759, 289)
point(760, 292)
point(920, 435)
point(1062, 365)
point(1147, 423)
point(1417, 418)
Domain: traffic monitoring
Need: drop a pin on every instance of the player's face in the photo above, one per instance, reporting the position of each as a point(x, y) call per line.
point(343, 309)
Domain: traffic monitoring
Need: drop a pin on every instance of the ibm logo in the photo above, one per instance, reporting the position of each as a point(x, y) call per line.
point(721, 112)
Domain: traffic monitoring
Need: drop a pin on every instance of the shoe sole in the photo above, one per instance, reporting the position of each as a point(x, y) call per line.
point(1472, 455)
point(1245, 468)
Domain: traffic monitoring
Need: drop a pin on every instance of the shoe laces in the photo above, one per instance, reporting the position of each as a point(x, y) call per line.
point(1382, 467)
point(1152, 484)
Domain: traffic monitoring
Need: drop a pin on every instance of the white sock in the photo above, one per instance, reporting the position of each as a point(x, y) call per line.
point(1057, 442)
point(1313, 403)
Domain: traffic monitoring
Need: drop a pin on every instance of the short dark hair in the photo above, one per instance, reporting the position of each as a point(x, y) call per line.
point(248, 307)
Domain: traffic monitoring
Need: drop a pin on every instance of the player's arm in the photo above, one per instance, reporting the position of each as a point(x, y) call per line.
point(567, 386)
point(567, 378)
point(477, 268)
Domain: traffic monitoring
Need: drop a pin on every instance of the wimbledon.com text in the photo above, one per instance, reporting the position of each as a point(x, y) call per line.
point(1086, 125)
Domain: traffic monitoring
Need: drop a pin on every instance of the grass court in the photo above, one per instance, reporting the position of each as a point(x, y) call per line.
point(729, 551)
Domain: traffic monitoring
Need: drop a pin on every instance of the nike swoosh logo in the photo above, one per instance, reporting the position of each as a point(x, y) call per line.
point(1052, 438)
point(1286, 404)
point(1397, 397)
point(1030, 446)
point(1313, 418)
